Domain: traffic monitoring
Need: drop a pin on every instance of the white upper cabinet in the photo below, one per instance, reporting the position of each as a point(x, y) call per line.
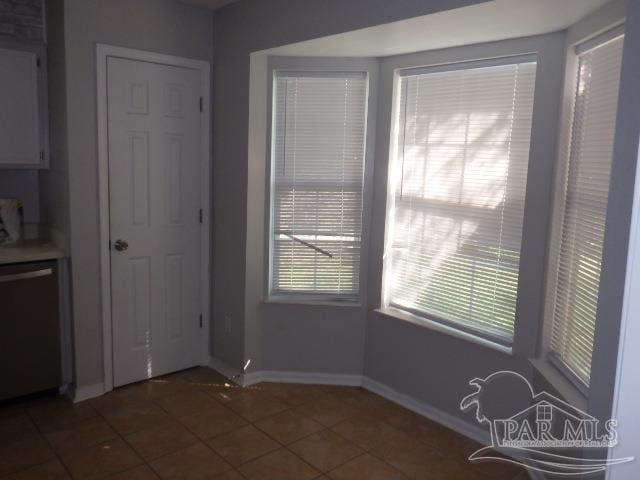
point(23, 110)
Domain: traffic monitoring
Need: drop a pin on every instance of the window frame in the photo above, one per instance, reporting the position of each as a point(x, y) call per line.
point(497, 342)
point(569, 380)
point(321, 66)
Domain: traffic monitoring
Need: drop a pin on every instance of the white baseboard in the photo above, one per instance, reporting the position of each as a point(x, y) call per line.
point(346, 380)
point(454, 423)
point(474, 432)
point(222, 368)
point(421, 408)
point(251, 378)
point(85, 392)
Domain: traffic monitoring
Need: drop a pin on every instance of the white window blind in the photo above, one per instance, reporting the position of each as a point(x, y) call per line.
point(318, 150)
point(458, 190)
point(579, 228)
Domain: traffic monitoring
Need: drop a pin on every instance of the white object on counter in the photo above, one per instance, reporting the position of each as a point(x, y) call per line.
point(10, 221)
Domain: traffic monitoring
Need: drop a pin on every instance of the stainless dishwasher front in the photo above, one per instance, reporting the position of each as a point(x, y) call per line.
point(29, 329)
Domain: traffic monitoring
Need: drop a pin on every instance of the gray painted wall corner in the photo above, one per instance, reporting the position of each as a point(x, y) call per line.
point(619, 210)
point(240, 29)
point(164, 26)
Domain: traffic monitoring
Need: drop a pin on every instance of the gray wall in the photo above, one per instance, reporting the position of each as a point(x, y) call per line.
point(619, 209)
point(400, 354)
point(627, 392)
point(54, 182)
point(239, 30)
point(22, 184)
point(359, 340)
point(164, 26)
point(298, 337)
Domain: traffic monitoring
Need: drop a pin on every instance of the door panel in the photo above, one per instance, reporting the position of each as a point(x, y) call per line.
point(154, 194)
point(139, 167)
point(140, 301)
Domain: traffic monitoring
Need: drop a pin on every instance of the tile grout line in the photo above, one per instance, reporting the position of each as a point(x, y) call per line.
point(120, 437)
point(282, 446)
point(325, 428)
point(194, 386)
point(57, 456)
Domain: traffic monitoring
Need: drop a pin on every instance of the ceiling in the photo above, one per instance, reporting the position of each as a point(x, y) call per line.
point(485, 22)
point(211, 4)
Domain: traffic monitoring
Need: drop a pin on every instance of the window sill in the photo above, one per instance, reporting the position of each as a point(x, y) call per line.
point(560, 382)
point(310, 302)
point(439, 327)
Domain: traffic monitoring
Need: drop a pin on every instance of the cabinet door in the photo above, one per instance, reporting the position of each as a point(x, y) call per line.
point(20, 144)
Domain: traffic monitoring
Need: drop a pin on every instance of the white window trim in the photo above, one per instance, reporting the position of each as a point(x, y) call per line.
point(558, 380)
point(310, 301)
point(469, 64)
point(442, 327)
point(556, 372)
point(424, 319)
point(319, 66)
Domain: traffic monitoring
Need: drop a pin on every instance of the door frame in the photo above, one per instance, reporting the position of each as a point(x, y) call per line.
point(103, 52)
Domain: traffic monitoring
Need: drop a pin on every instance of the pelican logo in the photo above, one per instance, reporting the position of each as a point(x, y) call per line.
point(547, 434)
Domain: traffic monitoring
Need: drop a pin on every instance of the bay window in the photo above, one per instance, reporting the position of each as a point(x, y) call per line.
point(457, 183)
point(317, 173)
point(579, 223)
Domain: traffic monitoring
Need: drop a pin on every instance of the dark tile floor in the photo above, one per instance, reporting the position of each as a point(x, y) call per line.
point(195, 425)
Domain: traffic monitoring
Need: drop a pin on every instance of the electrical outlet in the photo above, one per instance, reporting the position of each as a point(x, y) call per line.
point(227, 324)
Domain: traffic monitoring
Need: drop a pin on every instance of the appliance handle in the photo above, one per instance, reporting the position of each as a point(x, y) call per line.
point(14, 277)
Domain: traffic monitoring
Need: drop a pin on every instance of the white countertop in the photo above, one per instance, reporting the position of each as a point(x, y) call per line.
point(39, 244)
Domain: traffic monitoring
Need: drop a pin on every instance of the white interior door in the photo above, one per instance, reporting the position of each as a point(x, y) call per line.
point(154, 128)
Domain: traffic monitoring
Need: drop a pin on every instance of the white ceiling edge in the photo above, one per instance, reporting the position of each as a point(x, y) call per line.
point(210, 4)
point(485, 22)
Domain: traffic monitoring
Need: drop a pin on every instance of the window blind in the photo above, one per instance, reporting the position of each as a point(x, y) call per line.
point(458, 190)
point(318, 152)
point(579, 236)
